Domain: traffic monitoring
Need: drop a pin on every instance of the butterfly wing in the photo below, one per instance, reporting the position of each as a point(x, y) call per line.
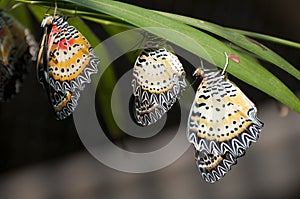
point(158, 80)
point(69, 64)
point(17, 47)
point(6, 41)
point(24, 50)
point(213, 166)
point(6, 45)
point(7, 84)
point(71, 60)
point(222, 124)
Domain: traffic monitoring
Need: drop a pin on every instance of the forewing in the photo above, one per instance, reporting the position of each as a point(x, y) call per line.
point(222, 120)
point(67, 65)
point(71, 60)
point(158, 81)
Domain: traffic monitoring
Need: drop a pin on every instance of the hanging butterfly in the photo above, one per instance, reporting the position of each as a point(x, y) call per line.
point(222, 124)
point(65, 64)
point(17, 49)
point(158, 81)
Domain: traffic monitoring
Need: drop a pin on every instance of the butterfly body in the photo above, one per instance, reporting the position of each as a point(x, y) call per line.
point(222, 125)
point(65, 64)
point(158, 80)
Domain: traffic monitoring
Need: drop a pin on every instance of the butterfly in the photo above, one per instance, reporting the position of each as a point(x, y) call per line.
point(17, 50)
point(65, 64)
point(222, 124)
point(158, 81)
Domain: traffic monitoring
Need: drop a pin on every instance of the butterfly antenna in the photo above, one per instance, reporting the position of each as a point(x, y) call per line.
point(144, 38)
point(15, 6)
point(226, 64)
point(55, 8)
point(143, 42)
point(76, 10)
point(138, 45)
point(202, 65)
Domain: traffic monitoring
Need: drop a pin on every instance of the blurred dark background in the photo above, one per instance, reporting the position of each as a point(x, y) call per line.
point(44, 158)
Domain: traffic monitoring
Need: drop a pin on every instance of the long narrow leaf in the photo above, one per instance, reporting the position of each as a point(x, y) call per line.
point(235, 37)
point(267, 38)
point(203, 45)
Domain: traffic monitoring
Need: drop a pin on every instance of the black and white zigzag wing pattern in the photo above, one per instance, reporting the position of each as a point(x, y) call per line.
point(214, 166)
point(158, 81)
point(222, 124)
point(65, 64)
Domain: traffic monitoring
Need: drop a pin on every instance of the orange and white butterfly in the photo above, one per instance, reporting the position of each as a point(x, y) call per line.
point(222, 124)
point(17, 49)
point(65, 64)
point(158, 81)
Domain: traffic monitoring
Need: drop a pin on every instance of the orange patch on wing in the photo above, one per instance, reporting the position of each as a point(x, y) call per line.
point(64, 102)
point(72, 61)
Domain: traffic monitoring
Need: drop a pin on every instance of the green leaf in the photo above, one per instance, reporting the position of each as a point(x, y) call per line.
point(235, 37)
point(204, 45)
point(267, 38)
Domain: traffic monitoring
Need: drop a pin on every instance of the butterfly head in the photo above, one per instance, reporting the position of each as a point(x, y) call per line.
point(47, 21)
point(198, 72)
